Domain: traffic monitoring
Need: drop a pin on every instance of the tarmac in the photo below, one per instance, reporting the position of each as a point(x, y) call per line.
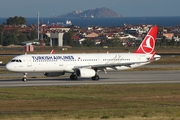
point(116, 77)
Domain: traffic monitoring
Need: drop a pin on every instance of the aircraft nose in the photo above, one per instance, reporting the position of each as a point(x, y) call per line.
point(9, 67)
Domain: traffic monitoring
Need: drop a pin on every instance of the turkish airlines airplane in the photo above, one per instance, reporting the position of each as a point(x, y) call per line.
point(86, 65)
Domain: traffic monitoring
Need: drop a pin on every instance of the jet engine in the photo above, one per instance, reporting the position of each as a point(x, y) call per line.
point(85, 72)
point(54, 74)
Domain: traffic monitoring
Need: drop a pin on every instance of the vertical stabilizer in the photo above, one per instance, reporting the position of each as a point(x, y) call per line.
point(52, 51)
point(148, 44)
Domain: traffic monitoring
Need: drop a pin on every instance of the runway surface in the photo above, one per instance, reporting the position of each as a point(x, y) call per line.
point(118, 77)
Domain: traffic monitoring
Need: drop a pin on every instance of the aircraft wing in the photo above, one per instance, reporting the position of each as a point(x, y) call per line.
point(113, 65)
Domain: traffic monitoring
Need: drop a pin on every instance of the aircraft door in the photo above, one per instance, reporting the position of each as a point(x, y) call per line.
point(90, 61)
point(138, 59)
point(99, 60)
point(61, 62)
point(29, 61)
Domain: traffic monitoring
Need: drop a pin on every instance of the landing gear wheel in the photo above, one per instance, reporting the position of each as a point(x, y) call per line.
point(96, 77)
point(24, 77)
point(73, 77)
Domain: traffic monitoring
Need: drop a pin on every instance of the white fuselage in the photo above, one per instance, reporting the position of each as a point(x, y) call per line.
point(67, 62)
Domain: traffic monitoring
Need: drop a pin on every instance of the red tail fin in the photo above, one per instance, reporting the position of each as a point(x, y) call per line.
point(52, 51)
point(148, 44)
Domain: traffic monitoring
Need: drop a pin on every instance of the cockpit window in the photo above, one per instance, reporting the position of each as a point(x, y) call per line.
point(13, 60)
point(16, 60)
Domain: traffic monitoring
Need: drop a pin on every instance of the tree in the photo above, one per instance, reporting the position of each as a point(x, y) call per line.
point(32, 35)
point(109, 43)
point(16, 31)
point(67, 39)
point(88, 43)
point(16, 21)
point(1, 33)
point(163, 39)
point(116, 42)
point(21, 38)
point(9, 38)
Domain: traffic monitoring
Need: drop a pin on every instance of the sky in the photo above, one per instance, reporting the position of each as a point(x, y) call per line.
point(126, 8)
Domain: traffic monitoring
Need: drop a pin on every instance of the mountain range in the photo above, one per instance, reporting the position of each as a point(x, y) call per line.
point(92, 13)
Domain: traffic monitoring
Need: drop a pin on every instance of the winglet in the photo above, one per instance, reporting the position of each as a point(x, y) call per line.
point(52, 51)
point(148, 44)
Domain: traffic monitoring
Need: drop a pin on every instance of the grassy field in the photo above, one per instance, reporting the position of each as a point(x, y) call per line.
point(127, 102)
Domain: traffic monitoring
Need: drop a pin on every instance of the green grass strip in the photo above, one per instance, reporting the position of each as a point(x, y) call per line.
point(153, 101)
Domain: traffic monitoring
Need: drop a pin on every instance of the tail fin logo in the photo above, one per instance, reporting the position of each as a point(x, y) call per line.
point(148, 45)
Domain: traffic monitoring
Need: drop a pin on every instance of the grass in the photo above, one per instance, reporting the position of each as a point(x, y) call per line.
point(91, 102)
point(6, 59)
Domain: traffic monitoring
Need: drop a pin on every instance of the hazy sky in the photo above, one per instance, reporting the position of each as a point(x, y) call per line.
point(126, 8)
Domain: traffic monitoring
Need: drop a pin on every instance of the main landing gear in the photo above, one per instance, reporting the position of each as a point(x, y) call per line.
point(96, 77)
point(24, 77)
point(73, 77)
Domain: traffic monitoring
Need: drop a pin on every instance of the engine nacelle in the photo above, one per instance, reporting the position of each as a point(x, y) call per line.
point(85, 72)
point(54, 74)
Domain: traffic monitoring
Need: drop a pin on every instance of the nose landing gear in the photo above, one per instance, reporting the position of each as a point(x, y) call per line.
point(24, 77)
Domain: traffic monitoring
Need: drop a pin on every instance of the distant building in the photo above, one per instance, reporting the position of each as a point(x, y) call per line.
point(92, 35)
point(56, 39)
point(168, 35)
point(55, 33)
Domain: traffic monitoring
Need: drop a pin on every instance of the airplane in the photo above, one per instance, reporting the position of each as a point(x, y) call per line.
point(85, 65)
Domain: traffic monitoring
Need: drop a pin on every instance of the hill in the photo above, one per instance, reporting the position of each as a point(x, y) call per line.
point(93, 13)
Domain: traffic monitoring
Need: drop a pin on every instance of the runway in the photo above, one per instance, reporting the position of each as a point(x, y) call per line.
point(118, 77)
